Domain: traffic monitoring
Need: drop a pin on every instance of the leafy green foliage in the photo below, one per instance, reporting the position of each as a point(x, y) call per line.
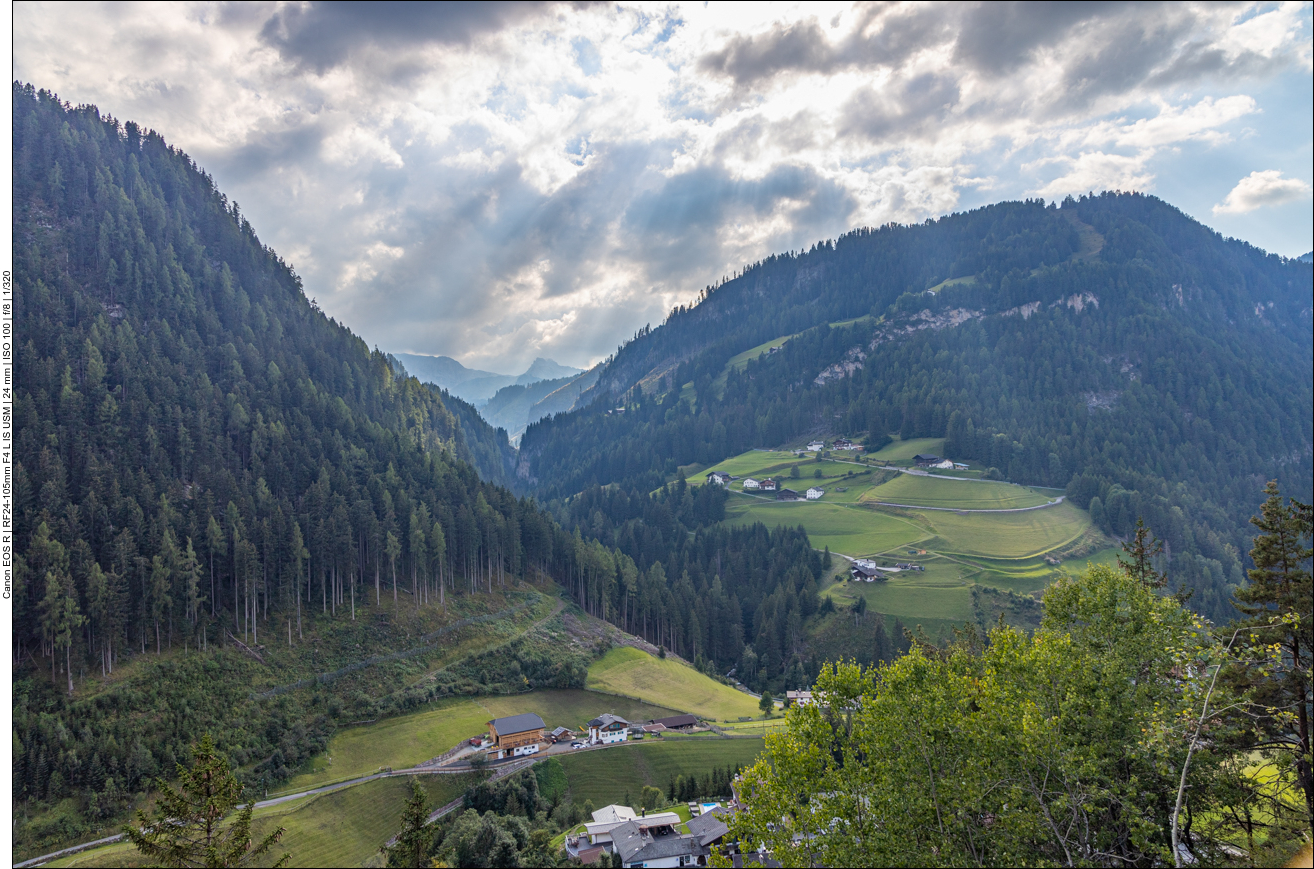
point(1053, 748)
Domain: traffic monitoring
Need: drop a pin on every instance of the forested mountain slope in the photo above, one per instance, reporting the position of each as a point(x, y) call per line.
point(488, 449)
point(201, 453)
point(205, 459)
point(1110, 345)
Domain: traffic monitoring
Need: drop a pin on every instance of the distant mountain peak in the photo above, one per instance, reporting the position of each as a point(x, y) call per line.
point(546, 369)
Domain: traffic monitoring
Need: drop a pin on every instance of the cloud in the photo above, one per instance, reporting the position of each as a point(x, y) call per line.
point(324, 34)
point(1096, 170)
point(1260, 189)
point(497, 182)
point(911, 108)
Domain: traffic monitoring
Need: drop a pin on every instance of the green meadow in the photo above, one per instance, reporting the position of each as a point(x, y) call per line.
point(1008, 535)
point(845, 528)
point(410, 739)
point(608, 775)
point(634, 673)
point(903, 451)
point(1010, 551)
point(955, 494)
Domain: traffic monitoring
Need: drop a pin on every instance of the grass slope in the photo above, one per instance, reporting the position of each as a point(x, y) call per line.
point(344, 828)
point(606, 776)
point(1007, 535)
point(942, 592)
point(958, 494)
point(903, 451)
point(347, 827)
point(635, 673)
point(848, 529)
point(409, 739)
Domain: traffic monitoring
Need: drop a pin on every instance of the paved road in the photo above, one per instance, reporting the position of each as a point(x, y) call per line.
point(64, 852)
point(499, 771)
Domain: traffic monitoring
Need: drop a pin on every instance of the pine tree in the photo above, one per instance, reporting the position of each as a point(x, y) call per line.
point(1278, 604)
point(187, 828)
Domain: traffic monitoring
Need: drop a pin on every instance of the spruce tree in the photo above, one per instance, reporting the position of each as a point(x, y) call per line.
point(413, 842)
point(1278, 604)
point(188, 824)
point(1142, 549)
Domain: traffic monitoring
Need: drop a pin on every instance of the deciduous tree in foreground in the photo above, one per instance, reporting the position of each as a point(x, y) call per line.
point(1065, 747)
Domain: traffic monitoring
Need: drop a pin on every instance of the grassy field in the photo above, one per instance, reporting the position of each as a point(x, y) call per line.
point(903, 451)
point(848, 529)
point(409, 739)
point(740, 360)
point(606, 776)
point(941, 592)
point(756, 463)
point(347, 827)
point(1077, 566)
point(952, 282)
point(1001, 550)
point(344, 828)
point(1007, 535)
point(635, 673)
point(959, 494)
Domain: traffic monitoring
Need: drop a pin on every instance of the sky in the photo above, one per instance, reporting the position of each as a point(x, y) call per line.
point(501, 182)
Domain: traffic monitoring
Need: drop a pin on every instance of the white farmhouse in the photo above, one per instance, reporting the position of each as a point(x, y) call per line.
point(750, 483)
point(817, 445)
point(608, 728)
point(814, 493)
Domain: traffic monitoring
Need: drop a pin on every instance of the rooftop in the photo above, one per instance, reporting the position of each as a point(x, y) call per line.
point(606, 719)
point(709, 826)
point(608, 814)
point(677, 721)
point(641, 841)
point(521, 723)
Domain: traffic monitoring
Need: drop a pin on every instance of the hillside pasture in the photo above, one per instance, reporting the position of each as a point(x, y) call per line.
point(740, 360)
point(909, 596)
point(605, 776)
point(851, 530)
point(1006, 535)
point(926, 491)
point(753, 463)
point(1077, 566)
point(634, 673)
point(343, 828)
point(407, 740)
point(903, 451)
point(952, 282)
point(347, 827)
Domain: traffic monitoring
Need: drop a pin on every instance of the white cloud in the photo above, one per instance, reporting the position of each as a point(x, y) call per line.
point(1260, 189)
point(1096, 170)
point(498, 182)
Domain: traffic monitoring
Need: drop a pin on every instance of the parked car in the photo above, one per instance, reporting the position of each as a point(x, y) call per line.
point(577, 745)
